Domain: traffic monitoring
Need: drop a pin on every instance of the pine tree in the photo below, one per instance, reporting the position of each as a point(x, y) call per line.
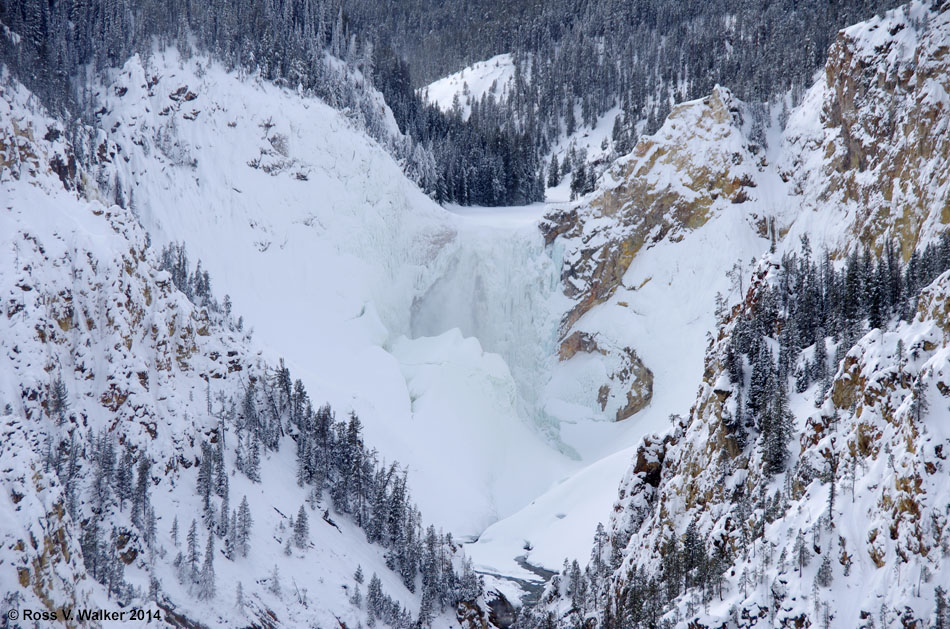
point(801, 552)
point(58, 400)
point(591, 183)
point(671, 567)
point(224, 517)
point(206, 584)
point(760, 384)
point(820, 370)
point(151, 526)
point(570, 121)
point(824, 576)
point(239, 460)
point(274, 586)
point(114, 575)
point(469, 588)
point(252, 466)
point(431, 576)
point(229, 549)
point(140, 498)
point(174, 531)
point(374, 597)
point(694, 556)
point(220, 470)
point(244, 523)
point(776, 431)
point(249, 410)
point(578, 589)
point(239, 602)
point(919, 404)
point(204, 480)
point(91, 545)
point(179, 563)
point(192, 541)
point(123, 479)
point(579, 180)
point(554, 172)
point(941, 609)
point(568, 162)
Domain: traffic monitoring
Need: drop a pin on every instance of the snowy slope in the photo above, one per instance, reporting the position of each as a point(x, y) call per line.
point(680, 219)
point(83, 301)
point(845, 174)
point(512, 360)
point(329, 252)
point(661, 304)
point(486, 79)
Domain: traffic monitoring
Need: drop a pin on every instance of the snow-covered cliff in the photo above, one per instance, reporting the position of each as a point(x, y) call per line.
point(708, 529)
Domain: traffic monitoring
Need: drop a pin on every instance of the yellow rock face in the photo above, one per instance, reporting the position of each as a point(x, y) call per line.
point(670, 184)
point(697, 164)
point(886, 144)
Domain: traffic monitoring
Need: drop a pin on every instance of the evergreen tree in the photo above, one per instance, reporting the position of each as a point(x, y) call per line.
point(554, 172)
point(220, 470)
point(252, 466)
point(694, 556)
point(824, 576)
point(243, 532)
point(140, 498)
point(801, 552)
point(206, 582)
point(58, 400)
point(776, 431)
point(579, 180)
point(250, 415)
point(374, 597)
point(301, 529)
point(192, 541)
point(820, 369)
point(123, 480)
point(239, 602)
point(205, 480)
point(941, 609)
point(919, 404)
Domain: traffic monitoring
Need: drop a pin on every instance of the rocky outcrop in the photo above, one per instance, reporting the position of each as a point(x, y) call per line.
point(878, 152)
point(629, 387)
point(41, 539)
point(860, 501)
point(698, 163)
point(864, 159)
point(863, 489)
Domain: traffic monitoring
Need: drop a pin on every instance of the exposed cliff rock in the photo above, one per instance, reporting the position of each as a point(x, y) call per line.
point(871, 143)
point(852, 530)
point(629, 385)
point(698, 163)
point(863, 496)
point(863, 159)
point(40, 539)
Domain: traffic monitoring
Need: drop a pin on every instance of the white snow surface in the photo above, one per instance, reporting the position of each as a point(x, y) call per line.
point(436, 328)
point(55, 244)
point(490, 79)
